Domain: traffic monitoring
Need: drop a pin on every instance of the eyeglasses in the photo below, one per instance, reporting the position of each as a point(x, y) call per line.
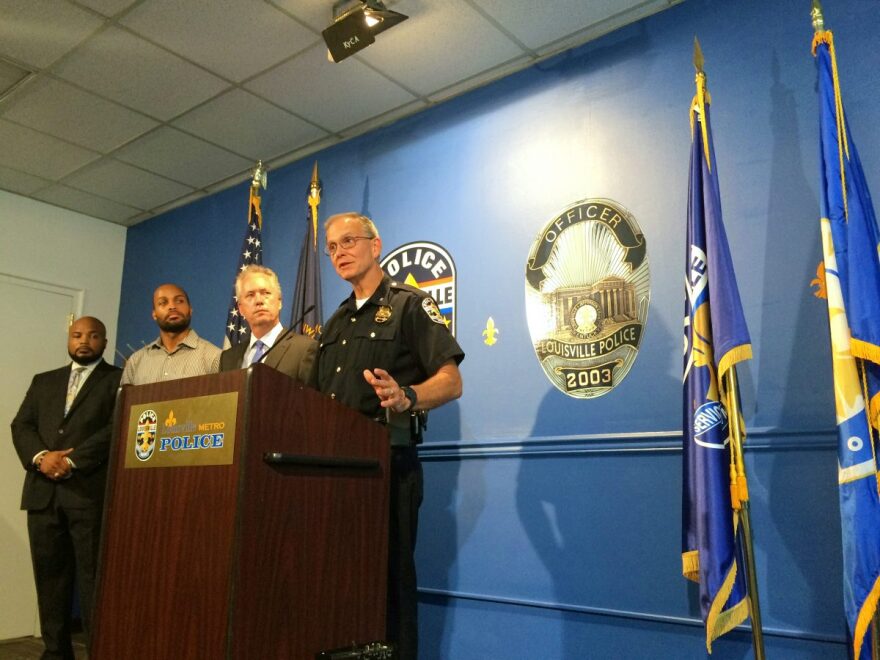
point(346, 243)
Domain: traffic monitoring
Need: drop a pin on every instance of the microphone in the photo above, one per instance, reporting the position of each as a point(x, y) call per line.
point(288, 331)
point(302, 317)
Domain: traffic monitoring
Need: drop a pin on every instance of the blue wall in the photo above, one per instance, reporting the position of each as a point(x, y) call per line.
point(551, 526)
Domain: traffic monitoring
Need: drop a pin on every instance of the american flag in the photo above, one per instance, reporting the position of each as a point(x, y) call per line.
point(237, 329)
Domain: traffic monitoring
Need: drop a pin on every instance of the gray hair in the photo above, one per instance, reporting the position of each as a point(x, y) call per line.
point(366, 224)
point(255, 269)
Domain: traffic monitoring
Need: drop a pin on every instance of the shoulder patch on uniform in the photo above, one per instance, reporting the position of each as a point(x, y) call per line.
point(432, 310)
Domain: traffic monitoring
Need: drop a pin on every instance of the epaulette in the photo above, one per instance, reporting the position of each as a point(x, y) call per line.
point(401, 286)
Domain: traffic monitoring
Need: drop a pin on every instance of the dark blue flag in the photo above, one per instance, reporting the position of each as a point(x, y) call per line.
point(716, 338)
point(307, 310)
point(852, 286)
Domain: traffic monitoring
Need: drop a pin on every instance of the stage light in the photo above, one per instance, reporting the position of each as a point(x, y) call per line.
point(356, 24)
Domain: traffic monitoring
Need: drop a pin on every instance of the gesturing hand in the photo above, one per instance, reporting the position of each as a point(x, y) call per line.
point(386, 388)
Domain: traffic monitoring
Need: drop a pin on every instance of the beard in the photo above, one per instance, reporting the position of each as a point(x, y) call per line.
point(83, 360)
point(175, 326)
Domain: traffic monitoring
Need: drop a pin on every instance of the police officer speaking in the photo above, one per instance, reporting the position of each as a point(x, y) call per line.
point(387, 353)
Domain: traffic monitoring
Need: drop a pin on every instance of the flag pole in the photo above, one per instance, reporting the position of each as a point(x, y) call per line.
point(875, 633)
point(739, 492)
point(740, 502)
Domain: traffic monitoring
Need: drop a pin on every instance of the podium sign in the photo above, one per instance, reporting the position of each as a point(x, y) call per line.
point(196, 431)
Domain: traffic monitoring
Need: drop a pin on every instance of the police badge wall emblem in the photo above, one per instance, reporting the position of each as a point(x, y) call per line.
point(429, 267)
point(587, 295)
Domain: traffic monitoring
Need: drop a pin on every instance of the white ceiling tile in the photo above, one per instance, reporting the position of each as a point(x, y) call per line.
point(445, 48)
point(19, 182)
point(410, 52)
point(348, 93)
point(248, 125)
point(294, 156)
point(384, 119)
point(35, 153)
point(126, 184)
point(254, 35)
point(84, 202)
point(38, 32)
point(484, 78)
point(177, 203)
point(182, 157)
point(131, 71)
point(58, 108)
point(10, 76)
point(317, 14)
point(107, 7)
point(628, 13)
point(537, 25)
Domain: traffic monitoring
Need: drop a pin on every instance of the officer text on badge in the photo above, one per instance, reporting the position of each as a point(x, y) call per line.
point(587, 294)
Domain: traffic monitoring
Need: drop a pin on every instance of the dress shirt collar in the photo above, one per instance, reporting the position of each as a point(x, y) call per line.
point(89, 368)
point(190, 341)
point(269, 338)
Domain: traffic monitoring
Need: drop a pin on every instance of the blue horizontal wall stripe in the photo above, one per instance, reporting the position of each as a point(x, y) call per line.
point(605, 443)
point(624, 614)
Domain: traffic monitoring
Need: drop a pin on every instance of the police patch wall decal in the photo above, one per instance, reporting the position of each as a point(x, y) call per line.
point(587, 294)
point(429, 267)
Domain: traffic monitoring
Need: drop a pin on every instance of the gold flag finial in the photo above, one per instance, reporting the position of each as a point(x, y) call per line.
point(698, 56)
point(313, 201)
point(816, 15)
point(260, 177)
point(701, 99)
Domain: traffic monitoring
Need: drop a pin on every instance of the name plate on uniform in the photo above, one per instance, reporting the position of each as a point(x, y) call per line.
point(194, 431)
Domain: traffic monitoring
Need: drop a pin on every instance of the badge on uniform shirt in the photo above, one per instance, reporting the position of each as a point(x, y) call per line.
point(433, 311)
point(383, 314)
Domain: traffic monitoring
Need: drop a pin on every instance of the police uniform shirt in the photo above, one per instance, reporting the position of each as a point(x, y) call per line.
point(398, 329)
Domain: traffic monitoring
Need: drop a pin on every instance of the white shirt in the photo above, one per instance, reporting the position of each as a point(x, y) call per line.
point(89, 368)
point(268, 340)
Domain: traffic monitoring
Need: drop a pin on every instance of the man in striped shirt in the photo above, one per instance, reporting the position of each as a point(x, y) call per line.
point(178, 352)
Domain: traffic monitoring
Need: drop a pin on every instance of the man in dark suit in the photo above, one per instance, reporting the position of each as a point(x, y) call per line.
point(258, 293)
point(62, 436)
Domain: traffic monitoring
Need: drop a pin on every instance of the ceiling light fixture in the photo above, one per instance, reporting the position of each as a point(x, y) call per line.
point(356, 24)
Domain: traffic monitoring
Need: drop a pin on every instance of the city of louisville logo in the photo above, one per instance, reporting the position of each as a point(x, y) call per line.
point(587, 294)
point(145, 437)
point(429, 267)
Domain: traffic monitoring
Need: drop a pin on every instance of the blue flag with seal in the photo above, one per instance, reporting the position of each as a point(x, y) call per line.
point(850, 244)
point(715, 339)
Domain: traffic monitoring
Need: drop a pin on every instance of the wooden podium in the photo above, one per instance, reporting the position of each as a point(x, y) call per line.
point(278, 551)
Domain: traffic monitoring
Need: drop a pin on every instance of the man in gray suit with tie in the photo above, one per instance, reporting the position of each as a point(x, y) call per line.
point(258, 293)
point(62, 436)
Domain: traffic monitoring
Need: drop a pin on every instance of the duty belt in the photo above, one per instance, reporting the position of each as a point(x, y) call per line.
point(406, 429)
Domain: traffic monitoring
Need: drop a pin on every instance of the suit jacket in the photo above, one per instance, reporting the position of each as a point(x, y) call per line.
point(294, 355)
point(42, 425)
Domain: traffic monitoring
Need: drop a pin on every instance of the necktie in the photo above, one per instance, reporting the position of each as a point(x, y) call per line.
point(259, 351)
point(73, 387)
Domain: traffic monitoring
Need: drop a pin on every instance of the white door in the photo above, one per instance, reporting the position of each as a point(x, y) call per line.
point(37, 316)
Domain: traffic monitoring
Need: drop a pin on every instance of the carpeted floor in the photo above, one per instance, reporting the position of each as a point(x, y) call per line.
point(30, 648)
